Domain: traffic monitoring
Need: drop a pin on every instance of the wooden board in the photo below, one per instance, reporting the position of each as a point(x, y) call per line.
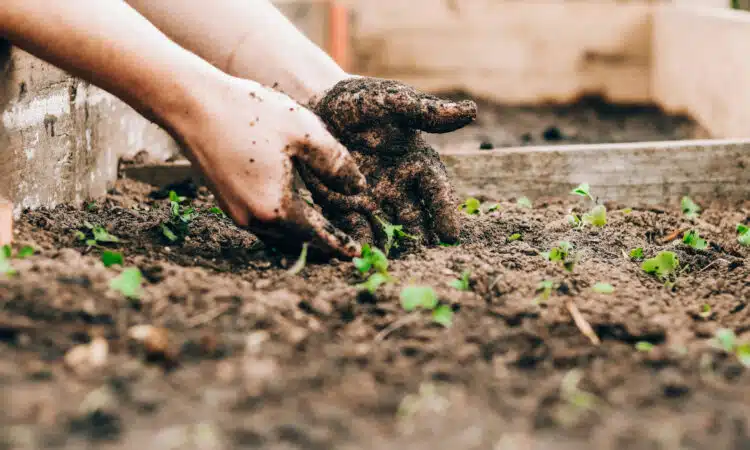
point(6, 222)
point(639, 173)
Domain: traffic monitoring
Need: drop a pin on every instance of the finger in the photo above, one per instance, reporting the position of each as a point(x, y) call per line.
point(330, 160)
point(357, 226)
point(434, 187)
point(442, 116)
point(412, 219)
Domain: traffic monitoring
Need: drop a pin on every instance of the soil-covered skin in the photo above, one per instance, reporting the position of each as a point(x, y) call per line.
point(260, 358)
point(590, 120)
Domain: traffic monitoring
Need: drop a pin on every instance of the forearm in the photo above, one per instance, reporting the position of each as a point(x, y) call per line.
point(249, 39)
point(109, 44)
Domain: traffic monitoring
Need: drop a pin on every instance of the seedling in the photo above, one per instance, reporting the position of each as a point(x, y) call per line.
point(644, 346)
point(574, 220)
point(462, 284)
point(372, 258)
point(25, 251)
point(563, 253)
point(374, 282)
point(627, 211)
point(445, 244)
point(596, 217)
point(394, 235)
point(471, 206)
point(524, 202)
point(177, 227)
point(664, 265)
point(128, 283)
point(301, 261)
point(544, 291)
point(514, 237)
point(573, 395)
point(705, 311)
point(99, 235)
point(216, 211)
point(583, 191)
point(6, 268)
point(424, 297)
point(726, 340)
point(603, 288)
point(689, 208)
point(693, 239)
point(636, 254)
point(493, 208)
point(110, 258)
point(744, 235)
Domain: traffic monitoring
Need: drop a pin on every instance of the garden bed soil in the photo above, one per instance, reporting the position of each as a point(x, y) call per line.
point(260, 358)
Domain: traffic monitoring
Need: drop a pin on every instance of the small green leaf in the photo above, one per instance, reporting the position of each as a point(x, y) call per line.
point(374, 282)
point(743, 354)
point(725, 339)
point(215, 210)
point(603, 288)
point(524, 202)
point(689, 208)
point(583, 191)
point(597, 216)
point(559, 253)
point(663, 265)
point(471, 206)
point(544, 291)
point(5, 252)
point(128, 283)
point(443, 315)
point(462, 284)
point(742, 229)
point(744, 235)
point(413, 297)
point(636, 253)
point(110, 258)
point(514, 237)
point(6, 268)
point(91, 243)
point(168, 233)
point(644, 346)
point(444, 244)
point(627, 211)
point(372, 258)
point(493, 208)
point(394, 235)
point(173, 197)
point(80, 235)
point(102, 235)
point(693, 239)
point(301, 261)
point(574, 220)
point(705, 311)
point(25, 252)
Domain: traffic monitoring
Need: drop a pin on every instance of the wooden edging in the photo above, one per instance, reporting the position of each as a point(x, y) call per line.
point(649, 172)
point(6, 222)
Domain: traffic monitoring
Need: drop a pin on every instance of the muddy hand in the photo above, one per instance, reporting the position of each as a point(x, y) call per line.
point(380, 122)
point(247, 141)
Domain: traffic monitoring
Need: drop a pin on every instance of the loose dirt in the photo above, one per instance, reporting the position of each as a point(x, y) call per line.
point(259, 358)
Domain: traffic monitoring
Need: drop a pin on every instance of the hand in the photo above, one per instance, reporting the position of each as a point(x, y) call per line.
point(379, 122)
point(245, 139)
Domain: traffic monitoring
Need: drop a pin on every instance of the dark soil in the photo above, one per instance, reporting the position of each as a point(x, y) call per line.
point(259, 358)
point(589, 120)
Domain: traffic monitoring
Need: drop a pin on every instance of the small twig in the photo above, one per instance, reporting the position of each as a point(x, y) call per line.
point(208, 316)
point(712, 263)
point(395, 326)
point(673, 235)
point(582, 323)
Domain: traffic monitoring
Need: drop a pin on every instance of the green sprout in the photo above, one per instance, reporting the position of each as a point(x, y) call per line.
point(705, 311)
point(6, 268)
point(693, 239)
point(514, 237)
point(177, 227)
point(99, 235)
point(644, 346)
point(544, 291)
point(574, 220)
point(524, 202)
point(744, 234)
point(471, 206)
point(636, 254)
point(596, 217)
point(726, 340)
point(413, 297)
point(583, 190)
point(573, 395)
point(216, 211)
point(689, 208)
point(374, 282)
point(394, 234)
point(493, 208)
point(445, 244)
point(627, 211)
point(664, 265)
point(301, 261)
point(562, 253)
point(128, 283)
point(372, 258)
point(110, 258)
point(462, 284)
point(603, 288)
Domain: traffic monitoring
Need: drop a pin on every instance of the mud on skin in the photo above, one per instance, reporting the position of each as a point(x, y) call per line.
point(381, 123)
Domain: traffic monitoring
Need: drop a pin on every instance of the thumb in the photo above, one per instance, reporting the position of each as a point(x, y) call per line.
point(435, 115)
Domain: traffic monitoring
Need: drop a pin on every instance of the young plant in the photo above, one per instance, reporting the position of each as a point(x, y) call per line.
point(693, 239)
point(603, 288)
point(726, 340)
point(644, 346)
point(544, 291)
point(128, 283)
point(596, 217)
point(6, 254)
point(462, 284)
point(176, 228)
point(664, 265)
point(744, 234)
point(301, 261)
point(471, 206)
point(394, 235)
point(705, 311)
point(373, 283)
point(636, 254)
point(524, 202)
point(424, 297)
point(583, 190)
point(216, 211)
point(514, 237)
point(99, 235)
point(562, 253)
point(574, 220)
point(372, 258)
point(110, 258)
point(689, 208)
point(493, 208)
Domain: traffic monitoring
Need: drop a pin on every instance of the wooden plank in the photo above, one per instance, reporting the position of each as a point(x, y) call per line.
point(702, 66)
point(639, 173)
point(6, 222)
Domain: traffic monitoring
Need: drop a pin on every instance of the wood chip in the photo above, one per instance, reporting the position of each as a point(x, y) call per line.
point(673, 235)
point(582, 323)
